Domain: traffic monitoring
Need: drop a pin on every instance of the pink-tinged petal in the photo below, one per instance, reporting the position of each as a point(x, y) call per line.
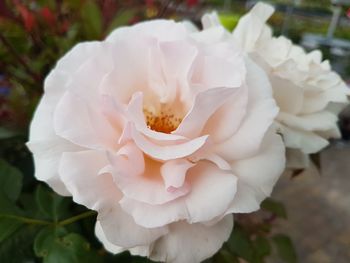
point(131, 58)
point(80, 172)
point(142, 251)
point(75, 121)
point(176, 62)
point(204, 106)
point(208, 183)
point(77, 56)
point(217, 160)
point(215, 72)
point(162, 30)
point(147, 187)
point(121, 230)
point(110, 247)
point(174, 172)
point(86, 80)
point(210, 20)
point(227, 119)
point(135, 115)
point(261, 112)
point(41, 127)
point(191, 243)
point(254, 185)
point(210, 35)
point(151, 216)
point(47, 155)
point(308, 142)
point(167, 152)
point(128, 161)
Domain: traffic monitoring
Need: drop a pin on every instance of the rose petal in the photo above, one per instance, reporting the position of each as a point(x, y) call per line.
point(80, 173)
point(120, 229)
point(208, 183)
point(307, 142)
point(167, 152)
point(322, 120)
point(87, 127)
point(250, 26)
point(261, 111)
point(174, 172)
point(204, 105)
point(255, 185)
point(177, 246)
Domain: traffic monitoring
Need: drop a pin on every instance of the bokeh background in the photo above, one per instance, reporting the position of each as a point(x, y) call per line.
point(35, 34)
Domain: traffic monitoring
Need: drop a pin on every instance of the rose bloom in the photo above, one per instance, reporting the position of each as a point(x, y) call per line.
point(308, 93)
point(165, 132)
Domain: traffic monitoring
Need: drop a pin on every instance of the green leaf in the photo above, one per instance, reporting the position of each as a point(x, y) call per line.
point(18, 247)
point(285, 248)
point(6, 133)
point(121, 19)
point(229, 21)
point(261, 249)
point(55, 245)
point(10, 181)
point(262, 246)
point(240, 244)
point(224, 256)
point(8, 227)
point(91, 20)
point(51, 205)
point(275, 207)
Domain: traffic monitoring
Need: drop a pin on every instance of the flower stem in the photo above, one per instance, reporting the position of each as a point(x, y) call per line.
point(33, 221)
point(76, 218)
point(27, 220)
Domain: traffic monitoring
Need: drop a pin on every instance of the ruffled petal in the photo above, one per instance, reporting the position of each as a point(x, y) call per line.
point(204, 105)
point(254, 185)
point(80, 171)
point(121, 230)
point(208, 183)
point(87, 127)
point(191, 243)
point(261, 112)
point(308, 142)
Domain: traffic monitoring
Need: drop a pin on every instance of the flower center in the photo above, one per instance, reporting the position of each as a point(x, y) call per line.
point(164, 121)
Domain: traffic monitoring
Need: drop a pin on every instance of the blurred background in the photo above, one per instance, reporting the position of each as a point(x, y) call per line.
point(35, 34)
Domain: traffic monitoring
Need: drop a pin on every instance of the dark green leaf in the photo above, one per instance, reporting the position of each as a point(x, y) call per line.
point(121, 19)
point(18, 247)
point(240, 244)
point(275, 207)
point(55, 245)
point(262, 246)
point(6, 133)
point(261, 249)
point(8, 227)
point(224, 256)
point(10, 181)
point(92, 19)
point(285, 248)
point(50, 204)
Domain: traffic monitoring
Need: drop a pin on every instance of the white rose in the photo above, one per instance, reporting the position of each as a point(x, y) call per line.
point(308, 93)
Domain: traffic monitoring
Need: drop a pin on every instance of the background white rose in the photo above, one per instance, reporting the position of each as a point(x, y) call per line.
point(307, 91)
point(164, 132)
